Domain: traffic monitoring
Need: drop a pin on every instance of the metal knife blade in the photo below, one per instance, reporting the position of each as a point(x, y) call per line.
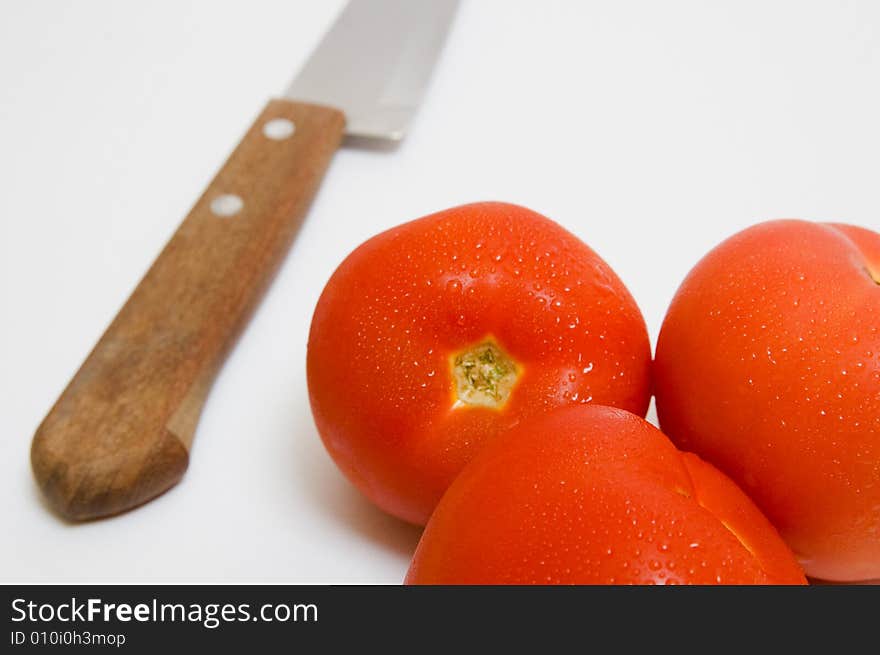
point(375, 62)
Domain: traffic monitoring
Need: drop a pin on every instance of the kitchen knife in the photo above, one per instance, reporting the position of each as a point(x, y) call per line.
point(120, 433)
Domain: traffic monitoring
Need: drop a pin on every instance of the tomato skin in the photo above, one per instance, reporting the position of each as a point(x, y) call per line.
point(768, 366)
point(596, 495)
point(399, 306)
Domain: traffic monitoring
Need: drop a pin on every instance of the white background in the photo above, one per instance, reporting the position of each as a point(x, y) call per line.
point(652, 130)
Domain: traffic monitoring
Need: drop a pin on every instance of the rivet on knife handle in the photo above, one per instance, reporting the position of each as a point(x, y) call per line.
point(120, 433)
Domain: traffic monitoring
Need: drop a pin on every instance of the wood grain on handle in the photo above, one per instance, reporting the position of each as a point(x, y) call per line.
point(120, 433)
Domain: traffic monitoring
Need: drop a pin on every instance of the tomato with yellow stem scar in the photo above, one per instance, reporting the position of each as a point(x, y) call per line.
point(432, 337)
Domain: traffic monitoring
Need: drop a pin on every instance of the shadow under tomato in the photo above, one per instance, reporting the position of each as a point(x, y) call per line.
point(817, 581)
point(324, 485)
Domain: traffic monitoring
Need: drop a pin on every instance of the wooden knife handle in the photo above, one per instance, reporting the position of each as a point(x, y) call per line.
point(120, 433)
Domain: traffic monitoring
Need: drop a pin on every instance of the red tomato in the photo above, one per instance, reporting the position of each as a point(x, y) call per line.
point(596, 495)
point(768, 365)
point(432, 337)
